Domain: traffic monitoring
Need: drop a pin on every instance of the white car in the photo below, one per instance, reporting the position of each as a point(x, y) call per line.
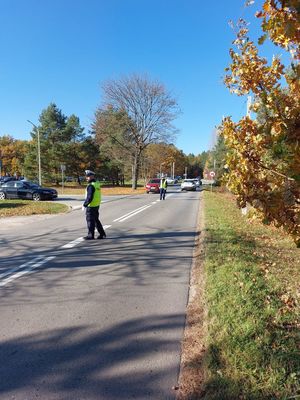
point(170, 181)
point(188, 184)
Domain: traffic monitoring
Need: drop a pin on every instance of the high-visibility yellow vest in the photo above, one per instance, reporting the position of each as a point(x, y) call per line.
point(163, 184)
point(97, 195)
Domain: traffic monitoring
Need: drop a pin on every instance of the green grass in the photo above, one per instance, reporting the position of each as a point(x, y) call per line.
point(10, 208)
point(252, 274)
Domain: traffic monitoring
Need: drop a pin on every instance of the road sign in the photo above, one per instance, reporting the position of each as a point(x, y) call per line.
point(207, 181)
point(212, 173)
point(63, 167)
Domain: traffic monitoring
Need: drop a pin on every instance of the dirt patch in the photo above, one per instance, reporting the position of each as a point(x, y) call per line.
point(193, 344)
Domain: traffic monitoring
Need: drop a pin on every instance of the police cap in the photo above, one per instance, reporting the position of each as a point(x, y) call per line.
point(89, 172)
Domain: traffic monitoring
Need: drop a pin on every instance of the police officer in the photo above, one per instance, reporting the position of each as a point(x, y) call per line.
point(91, 205)
point(163, 188)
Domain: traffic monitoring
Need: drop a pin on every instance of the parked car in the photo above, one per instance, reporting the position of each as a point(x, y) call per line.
point(188, 184)
point(4, 179)
point(26, 190)
point(197, 182)
point(171, 181)
point(153, 185)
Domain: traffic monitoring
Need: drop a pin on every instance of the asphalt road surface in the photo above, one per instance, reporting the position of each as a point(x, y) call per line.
point(102, 319)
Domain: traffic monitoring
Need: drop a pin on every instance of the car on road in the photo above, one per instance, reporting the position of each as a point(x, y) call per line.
point(4, 179)
point(188, 184)
point(171, 181)
point(26, 190)
point(153, 185)
point(197, 182)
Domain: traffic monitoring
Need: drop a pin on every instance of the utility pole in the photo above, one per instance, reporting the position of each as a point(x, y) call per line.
point(39, 152)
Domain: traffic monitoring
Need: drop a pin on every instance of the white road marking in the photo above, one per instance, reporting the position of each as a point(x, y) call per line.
point(132, 212)
point(11, 271)
point(72, 244)
point(78, 240)
point(40, 260)
point(27, 268)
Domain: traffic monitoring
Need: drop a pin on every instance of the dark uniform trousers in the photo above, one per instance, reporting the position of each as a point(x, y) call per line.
point(92, 220)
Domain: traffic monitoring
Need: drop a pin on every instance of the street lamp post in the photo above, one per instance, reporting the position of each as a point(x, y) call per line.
point(160, 173)
point(39, 151)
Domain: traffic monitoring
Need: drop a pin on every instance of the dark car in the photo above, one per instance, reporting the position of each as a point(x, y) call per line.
point(26, 190)
point(153, 186)
point(4, 179)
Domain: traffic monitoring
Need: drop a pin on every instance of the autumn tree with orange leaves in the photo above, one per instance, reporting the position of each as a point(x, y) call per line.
point(264, 157)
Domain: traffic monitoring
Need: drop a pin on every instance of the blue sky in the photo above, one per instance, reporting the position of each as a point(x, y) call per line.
point(61, 51)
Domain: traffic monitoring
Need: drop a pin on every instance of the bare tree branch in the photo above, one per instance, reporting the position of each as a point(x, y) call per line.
point(150, 109)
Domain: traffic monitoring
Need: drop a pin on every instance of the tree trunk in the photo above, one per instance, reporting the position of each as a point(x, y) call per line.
point(135, 168)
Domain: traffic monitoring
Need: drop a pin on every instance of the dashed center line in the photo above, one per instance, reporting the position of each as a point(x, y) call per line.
point(134, 213)
point(29, 266)
point(131, 213)
point(72, 244)
point(25, 269)
point(78, 240)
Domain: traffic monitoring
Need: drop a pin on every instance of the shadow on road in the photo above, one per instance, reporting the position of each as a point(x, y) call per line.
point(73, 364)
point(119, 361)
point(133, 256)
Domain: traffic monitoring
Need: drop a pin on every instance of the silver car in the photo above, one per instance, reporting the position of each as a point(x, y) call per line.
point(188, 184)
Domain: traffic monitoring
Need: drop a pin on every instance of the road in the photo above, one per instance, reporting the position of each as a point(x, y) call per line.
point(101, 319)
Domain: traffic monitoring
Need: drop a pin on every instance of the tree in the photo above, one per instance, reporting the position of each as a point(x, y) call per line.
point(264, 158)
point(12, 154)
point(82, 155)
point(159, 158)
point(195, 165)
point(148, 110)
point(114, 141)
point(60, 137)
point(216, 160)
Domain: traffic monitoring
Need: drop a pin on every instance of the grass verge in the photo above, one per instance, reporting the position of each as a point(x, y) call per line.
point(9, 208)
point(249, 347)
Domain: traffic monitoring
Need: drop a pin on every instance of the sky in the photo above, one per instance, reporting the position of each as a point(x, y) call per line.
point(62, 51)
